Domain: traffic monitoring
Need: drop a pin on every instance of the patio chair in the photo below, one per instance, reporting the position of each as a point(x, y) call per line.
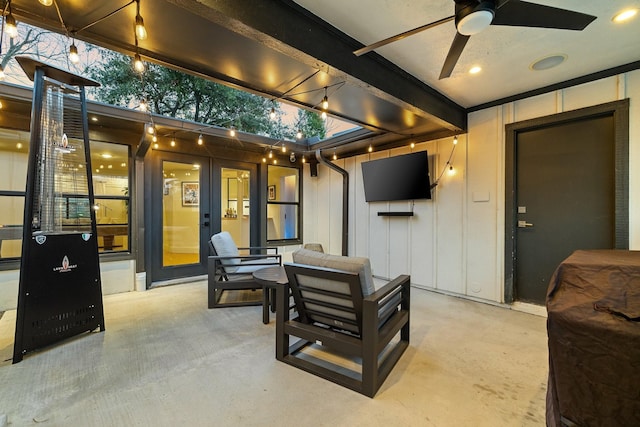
point(341, 315)
point(230, 272)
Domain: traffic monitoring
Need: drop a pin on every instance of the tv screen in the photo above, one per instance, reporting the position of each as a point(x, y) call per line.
point(403, 177)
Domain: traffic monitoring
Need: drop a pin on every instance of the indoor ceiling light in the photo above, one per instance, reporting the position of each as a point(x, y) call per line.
point(73, 53)
point(625, 15)
point(475, 22)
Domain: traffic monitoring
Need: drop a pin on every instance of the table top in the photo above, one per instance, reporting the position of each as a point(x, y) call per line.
point(271, 276)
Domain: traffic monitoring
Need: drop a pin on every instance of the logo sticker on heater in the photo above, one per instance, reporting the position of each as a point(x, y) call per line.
point(41, 239)
point(86, 236)
point(65, 267)
point(65, 140)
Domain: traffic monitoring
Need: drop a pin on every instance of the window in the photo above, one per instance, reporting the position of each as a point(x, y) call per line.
point(110, 163)
point(283, 203)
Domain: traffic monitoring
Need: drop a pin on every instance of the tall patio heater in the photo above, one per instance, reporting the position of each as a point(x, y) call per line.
point(60, 293)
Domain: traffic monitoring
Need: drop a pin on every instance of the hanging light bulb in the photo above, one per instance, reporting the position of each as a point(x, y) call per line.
point(1, 105)
point(143, 105)
point(10, 24)
point(325, 100)
point(46, 2)
point(275, 161)
point(452, 171)
point(413, 145)
point(200, 140)
point(270, 154)
point(335, 156)
point(232, 131)
point(455, 140)
point(173, 142)
point(141, 31)
point(264, 160)
point(324, 115)
point(73, 53)
point(151, 129)
point(2, 76)
point(154, 139)
point(138, 65)
point(272, 114)
point(299, 134)
point(284, 148)
point(370, 148)
point(304, 160)
point(155, 146)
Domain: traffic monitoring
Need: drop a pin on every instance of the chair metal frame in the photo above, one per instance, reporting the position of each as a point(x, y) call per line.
point(221, 279)
point(379, 318)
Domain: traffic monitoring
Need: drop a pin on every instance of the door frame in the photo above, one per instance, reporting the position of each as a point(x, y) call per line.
point(620, 112)
point(156, 270)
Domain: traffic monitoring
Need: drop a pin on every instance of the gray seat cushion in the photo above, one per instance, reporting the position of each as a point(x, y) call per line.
point(225, 246)
point(359, 265)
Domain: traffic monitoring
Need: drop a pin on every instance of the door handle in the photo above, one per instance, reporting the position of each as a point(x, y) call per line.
point(524, 224)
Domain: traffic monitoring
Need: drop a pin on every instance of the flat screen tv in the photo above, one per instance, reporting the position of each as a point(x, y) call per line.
point(403, 177)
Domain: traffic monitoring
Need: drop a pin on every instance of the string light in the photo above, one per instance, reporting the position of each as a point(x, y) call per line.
point(141, 31)
point(299, 134)
point(143, 105)
point(455, 140)
point(270, 154)
point(138, 65)
point(413, 145)
point(151, 129)
point(370, 148)
point(272, 114)
point(46, 2)
point(304, 160)
point(73, 53)
point(325, 100)
point(173, 142)
point(264, 160)
point(155, 146)
point(324, 115)
point(452, 171)
point(10, 24)
point(335, 156)
point(2, 75)
point(275, 161)
point(154, 139)
point(284, 148)
point(232, 131)
point(200, 140)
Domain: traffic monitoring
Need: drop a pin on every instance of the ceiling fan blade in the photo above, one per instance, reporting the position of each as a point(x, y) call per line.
point(459, 42)
point(401, 36)
point(525, 14)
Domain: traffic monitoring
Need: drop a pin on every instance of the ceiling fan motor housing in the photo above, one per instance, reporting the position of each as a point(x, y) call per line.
point(474, 16)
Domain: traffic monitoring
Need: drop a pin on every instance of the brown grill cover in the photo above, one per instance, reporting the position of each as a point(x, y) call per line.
point(593, 326)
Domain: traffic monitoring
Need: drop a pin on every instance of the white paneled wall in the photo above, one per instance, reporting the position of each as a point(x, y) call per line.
point(455, 242)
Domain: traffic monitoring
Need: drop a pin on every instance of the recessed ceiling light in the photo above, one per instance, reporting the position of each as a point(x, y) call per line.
point(548, 62)
point(475, 70)
point(624, 15)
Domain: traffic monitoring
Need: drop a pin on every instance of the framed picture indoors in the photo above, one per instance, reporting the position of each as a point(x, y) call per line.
point(271, 192)
point(190, 194)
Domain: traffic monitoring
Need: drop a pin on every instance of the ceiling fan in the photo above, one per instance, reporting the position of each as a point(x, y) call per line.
point(473, 16)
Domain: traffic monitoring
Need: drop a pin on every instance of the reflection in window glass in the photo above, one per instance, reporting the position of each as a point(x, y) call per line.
point(283, 196)
point(11, 217)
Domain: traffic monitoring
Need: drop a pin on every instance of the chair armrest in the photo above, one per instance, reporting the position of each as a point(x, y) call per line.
point(268, 248)
point(400, 281)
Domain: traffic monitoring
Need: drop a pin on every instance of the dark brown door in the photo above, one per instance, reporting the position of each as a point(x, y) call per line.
point(565, 198)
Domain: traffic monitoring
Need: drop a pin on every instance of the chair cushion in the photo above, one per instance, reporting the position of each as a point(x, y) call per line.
point(225, 246)
point(359, 265)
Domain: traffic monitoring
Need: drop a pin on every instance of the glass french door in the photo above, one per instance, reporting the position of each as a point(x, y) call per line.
point(235, 193)
point(180, 217)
